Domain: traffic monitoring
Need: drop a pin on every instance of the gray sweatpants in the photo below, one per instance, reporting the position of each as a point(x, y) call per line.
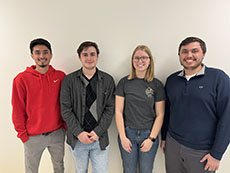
point(35, 146)
point(181, 159)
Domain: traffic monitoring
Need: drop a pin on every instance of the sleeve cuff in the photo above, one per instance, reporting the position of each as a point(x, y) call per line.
point(24, 138)
point(98, 131)
point(217, 155)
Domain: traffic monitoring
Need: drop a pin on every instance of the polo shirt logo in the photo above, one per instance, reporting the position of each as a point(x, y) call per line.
point(201, 86)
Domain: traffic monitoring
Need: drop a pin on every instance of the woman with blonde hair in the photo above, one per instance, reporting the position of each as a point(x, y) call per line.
point(140, 102)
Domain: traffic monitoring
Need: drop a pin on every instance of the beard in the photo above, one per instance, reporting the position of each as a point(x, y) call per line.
point(43, 66)
point(42, 61)
point(195, 66)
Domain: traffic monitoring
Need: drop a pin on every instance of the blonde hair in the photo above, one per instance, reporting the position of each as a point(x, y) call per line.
point(149, 75)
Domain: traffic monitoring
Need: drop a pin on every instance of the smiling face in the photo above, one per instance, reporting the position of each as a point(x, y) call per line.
point(191, 57)
point(88, 58)
point(141, 61)
point(42, 56)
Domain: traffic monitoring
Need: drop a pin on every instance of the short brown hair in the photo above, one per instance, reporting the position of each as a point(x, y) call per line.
point(191, 40)
point(87, 44)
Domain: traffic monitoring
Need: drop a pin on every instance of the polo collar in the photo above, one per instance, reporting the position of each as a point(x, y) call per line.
point(201, 72)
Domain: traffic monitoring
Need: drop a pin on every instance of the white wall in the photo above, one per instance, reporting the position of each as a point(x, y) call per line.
point(118, 26)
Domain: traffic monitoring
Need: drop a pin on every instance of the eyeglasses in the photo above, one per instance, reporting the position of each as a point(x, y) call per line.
point(142, 58)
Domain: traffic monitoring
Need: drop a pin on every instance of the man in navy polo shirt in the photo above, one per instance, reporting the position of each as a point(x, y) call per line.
point(196, 129)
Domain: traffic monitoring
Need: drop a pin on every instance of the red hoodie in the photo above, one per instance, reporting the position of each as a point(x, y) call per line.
point(35, 101)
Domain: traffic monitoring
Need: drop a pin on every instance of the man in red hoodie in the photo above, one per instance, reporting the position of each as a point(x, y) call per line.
point(36, 109)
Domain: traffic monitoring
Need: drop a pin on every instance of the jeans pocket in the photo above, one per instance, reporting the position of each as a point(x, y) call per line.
point(127, 128)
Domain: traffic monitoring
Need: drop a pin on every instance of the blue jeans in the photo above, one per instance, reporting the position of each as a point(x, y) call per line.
point(145, 159)
point(83, 152)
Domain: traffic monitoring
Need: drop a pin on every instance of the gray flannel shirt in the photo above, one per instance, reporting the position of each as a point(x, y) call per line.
point(72, 99)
